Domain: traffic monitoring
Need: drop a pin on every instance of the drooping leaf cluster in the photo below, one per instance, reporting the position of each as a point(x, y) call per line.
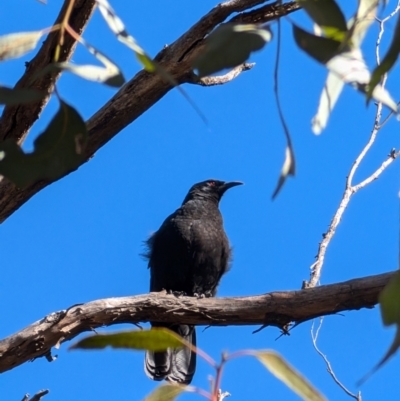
point(160, 339)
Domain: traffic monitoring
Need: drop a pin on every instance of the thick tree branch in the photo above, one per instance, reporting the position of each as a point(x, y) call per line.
point(266, 13)
point(16, 121)
point(272, 309)
point(144, 90)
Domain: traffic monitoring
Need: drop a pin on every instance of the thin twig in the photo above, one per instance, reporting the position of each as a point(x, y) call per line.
point(314, 337)
point(349, 191)
point(382, 30)
point(222, 395)
point(390, 159)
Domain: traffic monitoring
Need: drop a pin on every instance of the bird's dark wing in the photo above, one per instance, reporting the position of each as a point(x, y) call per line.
point(169, 255)
point(210, 252)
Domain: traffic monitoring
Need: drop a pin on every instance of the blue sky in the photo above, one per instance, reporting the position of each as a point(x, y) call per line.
point(80, 238)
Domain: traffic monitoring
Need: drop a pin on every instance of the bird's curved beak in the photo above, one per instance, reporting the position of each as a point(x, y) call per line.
point(228, 185)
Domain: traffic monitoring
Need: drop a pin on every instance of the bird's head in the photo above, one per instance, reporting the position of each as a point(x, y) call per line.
point(210, 189)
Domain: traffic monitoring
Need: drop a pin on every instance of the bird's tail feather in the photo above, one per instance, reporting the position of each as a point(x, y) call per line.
point(175, 365)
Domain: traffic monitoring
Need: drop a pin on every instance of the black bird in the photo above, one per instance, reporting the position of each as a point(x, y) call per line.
point(187, 255)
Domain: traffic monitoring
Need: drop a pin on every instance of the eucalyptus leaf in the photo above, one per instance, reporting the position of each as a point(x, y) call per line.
point(320, 48)
point(229, 46)
point(17, 44)
point(11, 96)
point(328, 16)
point(282, 370)
point(57, 151)
point(156, 339)
point(165, 392)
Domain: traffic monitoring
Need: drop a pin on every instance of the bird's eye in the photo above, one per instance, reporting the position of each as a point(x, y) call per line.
point(211, 183)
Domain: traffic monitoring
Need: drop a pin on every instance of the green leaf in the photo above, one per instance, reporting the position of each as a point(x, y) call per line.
point(230, 45)
point(17, 44)
point(18, 96)
point(392, 349)
point(288, 375)
point(150, 66)
point(288, 168)
point(389, 301)
point(350, 67)
point(57, 151)
point(320, 48)
point(156, 339)
point(110, 74)
point(365, 16)
point(388, 61)
point(165, 392)
point(328, 16)
point(389, 353)
point(330, 93)
point(118, 28)
point(359, 25)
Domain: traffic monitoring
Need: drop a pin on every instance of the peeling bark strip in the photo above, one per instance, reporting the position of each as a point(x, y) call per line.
point(271, 309)
point(133, 99)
